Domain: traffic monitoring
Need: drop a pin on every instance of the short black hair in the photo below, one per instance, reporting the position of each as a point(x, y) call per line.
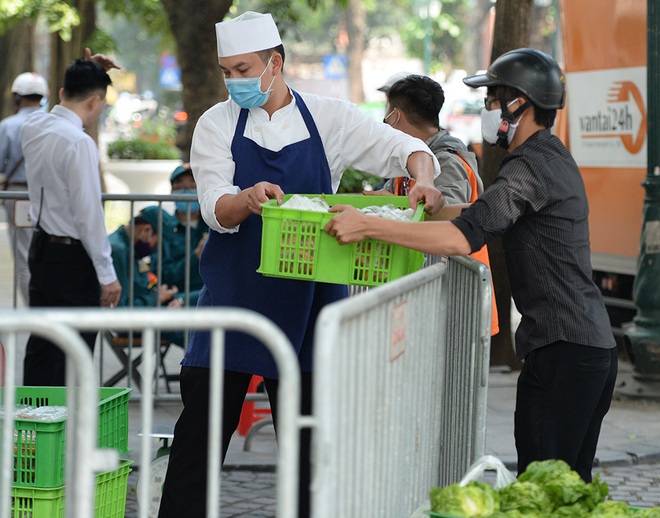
point(419, 97)
point(266, 54)
point(83, 78)
point(542, 116)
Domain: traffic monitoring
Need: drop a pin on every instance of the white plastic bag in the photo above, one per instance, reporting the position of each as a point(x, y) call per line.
point(503, 476)
point(315, 204)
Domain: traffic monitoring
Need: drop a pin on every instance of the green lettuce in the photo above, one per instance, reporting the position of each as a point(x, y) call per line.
point(526, 497)
point(612, 510)
point(474, 500)
point(541, 471)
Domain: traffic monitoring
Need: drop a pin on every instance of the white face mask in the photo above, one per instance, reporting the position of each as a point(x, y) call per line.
point(491, 120)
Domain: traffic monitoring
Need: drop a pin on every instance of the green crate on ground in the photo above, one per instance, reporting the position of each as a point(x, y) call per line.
point(109, 498)
point(294, 245)
point(39, 446)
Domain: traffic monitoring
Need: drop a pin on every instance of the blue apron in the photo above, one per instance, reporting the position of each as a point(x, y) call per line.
point(228, 262)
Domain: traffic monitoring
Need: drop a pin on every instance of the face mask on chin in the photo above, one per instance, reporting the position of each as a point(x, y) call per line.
point(142, 249)
point(246, 91)
point(491, 120)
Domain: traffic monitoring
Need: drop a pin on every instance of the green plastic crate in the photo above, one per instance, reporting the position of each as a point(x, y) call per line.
point(109, 498)
point(39, 446)
point(294, 245)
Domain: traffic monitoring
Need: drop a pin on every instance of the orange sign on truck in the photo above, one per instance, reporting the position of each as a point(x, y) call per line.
point(605, 128)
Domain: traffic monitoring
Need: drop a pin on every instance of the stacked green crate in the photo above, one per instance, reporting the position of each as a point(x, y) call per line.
point(39, 454)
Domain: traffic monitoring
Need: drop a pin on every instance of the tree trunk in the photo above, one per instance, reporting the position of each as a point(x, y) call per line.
point(201, 77)
point(356, 28)
point(17, 43)
point(474, 44)
point(62, 53)
point(513, 22)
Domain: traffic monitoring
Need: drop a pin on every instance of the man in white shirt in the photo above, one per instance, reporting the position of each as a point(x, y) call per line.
point(70, 257)
point(29, 89)
point(266, 141)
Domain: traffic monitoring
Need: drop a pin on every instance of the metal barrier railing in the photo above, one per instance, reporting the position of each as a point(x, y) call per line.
point(401, 376)
point(82, 457)
point(134, 202)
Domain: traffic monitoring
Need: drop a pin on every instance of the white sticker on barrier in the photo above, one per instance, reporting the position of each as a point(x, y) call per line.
point(22, 214)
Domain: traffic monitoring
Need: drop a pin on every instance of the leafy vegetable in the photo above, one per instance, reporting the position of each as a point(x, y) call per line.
point(547, 489)
point(567, 488)
point(612, 510)
point(476, 500)
point(526, 497)
point(541, 471)
point(571, 511)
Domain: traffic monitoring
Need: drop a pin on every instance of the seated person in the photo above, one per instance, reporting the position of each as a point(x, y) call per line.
point(144, 240)
point(175, 247)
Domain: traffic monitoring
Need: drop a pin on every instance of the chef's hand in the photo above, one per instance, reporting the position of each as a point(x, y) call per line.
point(426, 192)
point(349, 225)
point(106, 62)
point(261, 193)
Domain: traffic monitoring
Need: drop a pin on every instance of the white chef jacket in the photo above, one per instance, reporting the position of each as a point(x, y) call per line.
point(350, 139)
point(62, 161)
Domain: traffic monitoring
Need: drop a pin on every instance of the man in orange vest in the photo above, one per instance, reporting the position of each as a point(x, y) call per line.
point(413, 106)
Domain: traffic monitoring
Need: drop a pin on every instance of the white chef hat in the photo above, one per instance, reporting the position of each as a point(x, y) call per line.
point(249, 32)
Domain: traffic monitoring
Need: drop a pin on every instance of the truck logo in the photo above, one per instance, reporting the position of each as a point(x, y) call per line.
point(616, 122)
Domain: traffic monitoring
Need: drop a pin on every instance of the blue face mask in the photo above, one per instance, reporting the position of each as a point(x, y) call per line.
point(182, 206)
point(246, 91)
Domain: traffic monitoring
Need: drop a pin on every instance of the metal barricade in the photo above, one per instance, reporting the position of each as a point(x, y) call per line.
point(400, 385)
point(131, 203)
point(83, 459)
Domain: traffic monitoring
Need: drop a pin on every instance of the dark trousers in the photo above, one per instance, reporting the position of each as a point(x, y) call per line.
point(184, 490)
point(564, 392)
point(60, 276)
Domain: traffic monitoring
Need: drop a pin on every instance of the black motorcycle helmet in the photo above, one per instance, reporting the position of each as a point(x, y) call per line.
point(531, 71)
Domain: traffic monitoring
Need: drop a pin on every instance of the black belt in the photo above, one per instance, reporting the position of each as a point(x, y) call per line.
point(63, 240)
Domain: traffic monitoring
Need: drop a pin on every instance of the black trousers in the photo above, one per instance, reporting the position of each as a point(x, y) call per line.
point(184, 489)
point(60, 276)
point(564, 392)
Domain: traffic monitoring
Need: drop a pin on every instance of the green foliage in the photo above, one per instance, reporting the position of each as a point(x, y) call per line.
point(157, 129)
point(150, 14)
point(138, 149)
point(101, 42)
point(446, 34)
point(154, 139)
point(476, 500)
point(354, 181)
point(60, 16)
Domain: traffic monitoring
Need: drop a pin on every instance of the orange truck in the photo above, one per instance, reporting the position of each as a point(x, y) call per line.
point(605, 127)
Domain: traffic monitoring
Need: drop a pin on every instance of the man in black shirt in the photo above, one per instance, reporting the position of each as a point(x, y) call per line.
point(538, 206)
